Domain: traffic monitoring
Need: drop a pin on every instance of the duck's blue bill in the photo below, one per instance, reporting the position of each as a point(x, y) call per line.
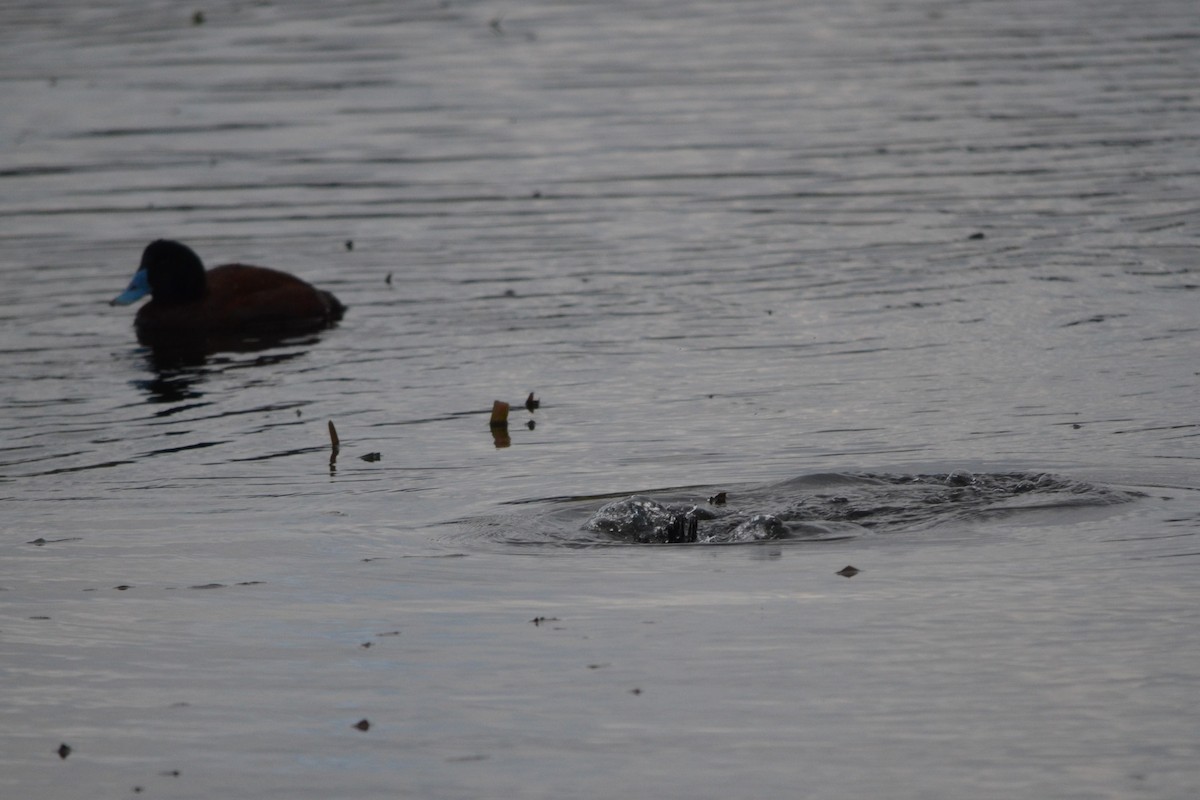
point(139, 287)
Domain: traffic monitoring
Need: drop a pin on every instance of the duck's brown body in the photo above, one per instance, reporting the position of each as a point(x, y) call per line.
point(190, 306)
point(242, 299)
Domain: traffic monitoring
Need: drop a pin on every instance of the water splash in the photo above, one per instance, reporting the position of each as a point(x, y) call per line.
point(839, 506)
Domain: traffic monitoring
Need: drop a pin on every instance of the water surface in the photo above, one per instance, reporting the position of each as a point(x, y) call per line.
point(797, 252)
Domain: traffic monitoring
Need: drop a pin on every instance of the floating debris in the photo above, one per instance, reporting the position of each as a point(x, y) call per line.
point(532, 403)
point(123, 587)
point(531, 424)
point(718, 499)
point(388, 279)
point(370, 456)
point(848, 571)
point(349, 244)
point(975, 237)
point(208, 586)
point(499, 424)
point(197, 17)
point(543, 620)
point(40, 542)
point(64, 750)
point(499, 414)
point(389, 633)
point(366, 645)
point(336, 444)
point(363, 724)
point(635, 691)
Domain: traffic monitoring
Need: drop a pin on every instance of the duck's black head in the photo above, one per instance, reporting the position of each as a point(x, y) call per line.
point(170, 271)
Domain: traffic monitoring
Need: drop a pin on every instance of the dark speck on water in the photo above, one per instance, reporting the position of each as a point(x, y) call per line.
point(804, 285)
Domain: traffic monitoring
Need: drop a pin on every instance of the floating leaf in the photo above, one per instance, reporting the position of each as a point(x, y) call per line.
point(499, 414)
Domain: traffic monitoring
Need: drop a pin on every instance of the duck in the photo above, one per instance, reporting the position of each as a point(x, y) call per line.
point(189, 304)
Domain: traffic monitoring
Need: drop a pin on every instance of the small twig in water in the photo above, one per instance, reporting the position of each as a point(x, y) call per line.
point(335, 442)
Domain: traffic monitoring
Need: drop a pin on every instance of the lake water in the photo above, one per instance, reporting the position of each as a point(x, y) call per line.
point(917, 280)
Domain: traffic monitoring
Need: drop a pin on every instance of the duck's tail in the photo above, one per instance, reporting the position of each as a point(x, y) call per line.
point(335, 309)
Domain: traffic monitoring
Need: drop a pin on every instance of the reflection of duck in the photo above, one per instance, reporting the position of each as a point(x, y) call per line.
point(189, 306)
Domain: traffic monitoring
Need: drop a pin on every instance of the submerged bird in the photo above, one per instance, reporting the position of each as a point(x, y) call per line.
point(189, 305)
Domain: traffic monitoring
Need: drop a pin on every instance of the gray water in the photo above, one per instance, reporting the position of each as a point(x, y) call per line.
point(916, 278)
